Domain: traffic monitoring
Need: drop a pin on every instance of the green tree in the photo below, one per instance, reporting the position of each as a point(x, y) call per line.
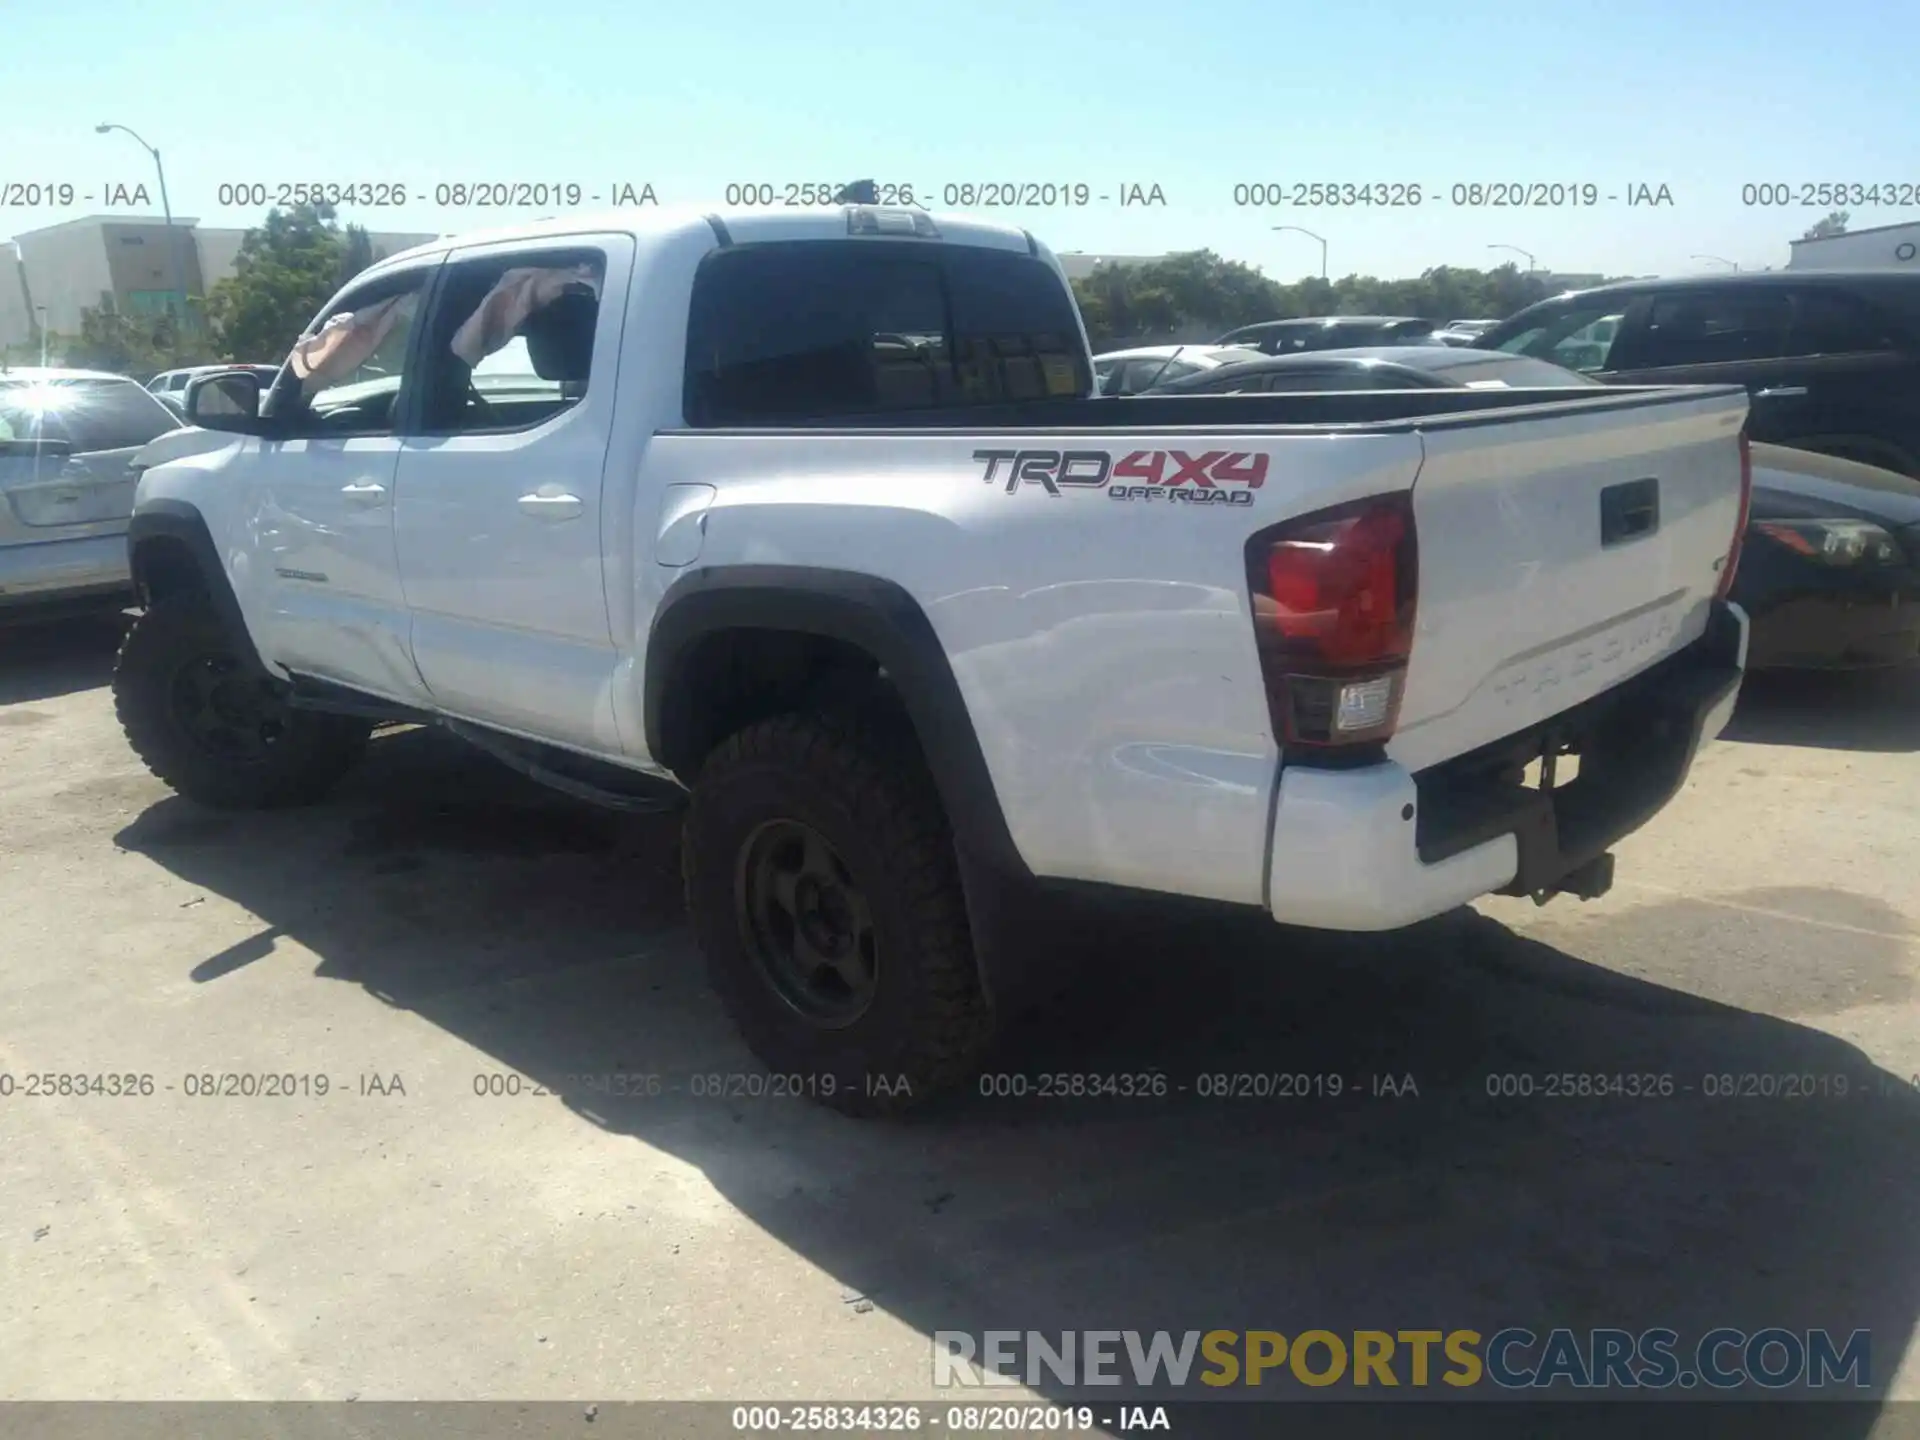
point(1834, 224)
point(285, 271)
point(1198, 292)
point(137, 345)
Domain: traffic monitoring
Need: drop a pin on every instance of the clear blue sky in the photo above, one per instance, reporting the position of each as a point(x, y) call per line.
point(1192, 95)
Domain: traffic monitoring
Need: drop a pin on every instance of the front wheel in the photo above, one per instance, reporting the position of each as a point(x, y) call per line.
point(205, 718)
point(824, 892)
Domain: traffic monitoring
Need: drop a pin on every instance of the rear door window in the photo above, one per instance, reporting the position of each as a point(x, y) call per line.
point(791, 331)
point(1719, 326)
point(1830, 322)
point(509, 340)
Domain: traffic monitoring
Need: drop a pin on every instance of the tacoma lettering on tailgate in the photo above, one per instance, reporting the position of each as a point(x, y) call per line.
point(1638, 638)
point(1213, 477)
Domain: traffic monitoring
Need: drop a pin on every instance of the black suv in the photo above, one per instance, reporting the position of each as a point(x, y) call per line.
point(1832, 358)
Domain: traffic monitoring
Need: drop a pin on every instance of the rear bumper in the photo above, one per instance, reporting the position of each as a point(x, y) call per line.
point(59, 570)
point(1378, 847)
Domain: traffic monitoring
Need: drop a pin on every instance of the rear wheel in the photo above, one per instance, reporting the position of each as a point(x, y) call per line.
point(824, 892)
point(204, 717)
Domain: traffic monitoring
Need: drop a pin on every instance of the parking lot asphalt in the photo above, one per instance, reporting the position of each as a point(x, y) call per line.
point(443, 945)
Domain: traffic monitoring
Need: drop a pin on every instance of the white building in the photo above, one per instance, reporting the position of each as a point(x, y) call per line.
point(1882, 247)
point(121, 263)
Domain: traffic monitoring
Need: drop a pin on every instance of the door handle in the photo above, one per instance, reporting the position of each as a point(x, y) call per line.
point(1782, 392)
point(365, 492)
point(550, 507)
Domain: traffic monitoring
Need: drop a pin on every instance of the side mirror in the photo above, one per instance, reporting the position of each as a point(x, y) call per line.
point(227, 401)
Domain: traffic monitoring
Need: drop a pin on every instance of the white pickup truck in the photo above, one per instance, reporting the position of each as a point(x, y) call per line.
point(815, 520)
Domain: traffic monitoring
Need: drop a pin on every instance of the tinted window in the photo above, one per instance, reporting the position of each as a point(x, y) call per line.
point(1709, 328)
point(1288, 342)
point(1402, 331)
point(1154, 370)
point(1277, 340)
point(1826, 322)
point(91, 414)
point(798, 330)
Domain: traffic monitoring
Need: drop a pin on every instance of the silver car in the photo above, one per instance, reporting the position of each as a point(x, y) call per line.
point(67, 440)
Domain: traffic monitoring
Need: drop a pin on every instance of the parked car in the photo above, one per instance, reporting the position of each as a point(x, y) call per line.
point(1463, 332)
point(1128, 372)
point(172, 384)
point(1830, 571)
point(1831, 358)
point(1830, 575)
point(1328, 332)
point(66, 441)
point(897, 710)
point(1378, 367)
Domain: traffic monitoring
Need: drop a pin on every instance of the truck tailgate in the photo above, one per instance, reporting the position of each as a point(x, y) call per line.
point(1560, 554)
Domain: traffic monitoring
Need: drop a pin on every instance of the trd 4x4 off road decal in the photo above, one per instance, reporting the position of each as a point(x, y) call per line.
point(1164, 474)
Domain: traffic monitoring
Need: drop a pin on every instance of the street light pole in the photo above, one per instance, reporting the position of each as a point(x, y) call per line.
point(1518, 251)
point(1720, 259)
point(42, 311)
point(1311, 236)
point(166, 211)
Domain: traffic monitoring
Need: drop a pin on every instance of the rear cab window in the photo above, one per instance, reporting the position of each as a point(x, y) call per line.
point(803, 330)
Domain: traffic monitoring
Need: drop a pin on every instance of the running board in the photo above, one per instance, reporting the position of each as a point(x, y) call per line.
point(612, 787)
point(648, 797)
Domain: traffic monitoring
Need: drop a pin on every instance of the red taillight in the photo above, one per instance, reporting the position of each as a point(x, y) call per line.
point(1732, 567)
point(1333, 611)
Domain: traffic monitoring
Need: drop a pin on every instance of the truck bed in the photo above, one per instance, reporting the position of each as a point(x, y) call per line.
point(1102, 635)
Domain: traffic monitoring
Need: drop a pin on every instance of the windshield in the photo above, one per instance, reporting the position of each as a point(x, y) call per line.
point(1579, 337)
point(1475, 367)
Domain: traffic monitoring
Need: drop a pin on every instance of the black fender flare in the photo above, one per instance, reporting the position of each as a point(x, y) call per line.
point(882, 619)
point(175, 523)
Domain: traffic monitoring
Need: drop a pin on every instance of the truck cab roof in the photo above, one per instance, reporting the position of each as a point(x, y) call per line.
point(731, 226)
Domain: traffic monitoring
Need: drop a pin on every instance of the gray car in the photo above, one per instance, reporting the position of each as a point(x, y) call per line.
point(67, 440)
